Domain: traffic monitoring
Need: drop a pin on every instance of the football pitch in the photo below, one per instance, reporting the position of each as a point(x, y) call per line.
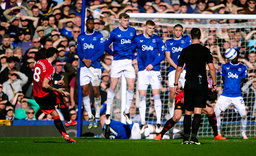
point(48, 146)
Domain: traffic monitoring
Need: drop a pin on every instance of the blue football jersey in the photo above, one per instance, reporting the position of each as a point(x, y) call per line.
point(91, 46)
point(150, 50)
point(66, 32)
point(175, 46)
point(123, 43)
point(118, 130)
point(233, 74)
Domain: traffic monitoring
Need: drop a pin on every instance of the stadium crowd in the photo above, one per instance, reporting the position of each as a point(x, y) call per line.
point(29, 27)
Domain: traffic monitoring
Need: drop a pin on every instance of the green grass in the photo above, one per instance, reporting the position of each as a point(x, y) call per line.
point(48, 146)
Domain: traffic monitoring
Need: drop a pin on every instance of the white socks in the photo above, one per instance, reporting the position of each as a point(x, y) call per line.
point(129, 98)
point(142, 109)
point(97, 106)
point(110, 98)
point(158, 108)
point(87, 105)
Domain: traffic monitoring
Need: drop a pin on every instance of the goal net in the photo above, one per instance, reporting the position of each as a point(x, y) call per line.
point(218, 34)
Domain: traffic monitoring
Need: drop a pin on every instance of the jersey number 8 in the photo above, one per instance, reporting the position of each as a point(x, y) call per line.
point(37, 72)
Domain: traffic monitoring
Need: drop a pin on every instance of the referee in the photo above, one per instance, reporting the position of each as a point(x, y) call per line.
point(195, 57)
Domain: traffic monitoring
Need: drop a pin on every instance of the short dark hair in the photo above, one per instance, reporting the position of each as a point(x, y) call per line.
point(124, 15)
point(34, 7)
point(150, 22)
point(195, 33)
point(48, 40)
point(178, 25)
point(50, 52)
point(88, 19)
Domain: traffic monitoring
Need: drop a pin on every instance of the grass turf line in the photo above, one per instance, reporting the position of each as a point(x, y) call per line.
point(100, 146)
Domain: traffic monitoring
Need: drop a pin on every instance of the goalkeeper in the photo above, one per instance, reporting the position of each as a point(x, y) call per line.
point(179, 109)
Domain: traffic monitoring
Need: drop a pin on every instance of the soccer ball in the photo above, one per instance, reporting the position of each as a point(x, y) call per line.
point(230, 53)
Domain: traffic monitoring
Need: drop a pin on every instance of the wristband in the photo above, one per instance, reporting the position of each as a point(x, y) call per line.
point(214, 85)
point(175, 84)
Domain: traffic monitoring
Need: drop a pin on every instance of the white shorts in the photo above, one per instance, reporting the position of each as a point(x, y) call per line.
point(88, 75)
point(135, 133)
point(122, 66)
point(223, 103)
point(171, 78)
point(149, 77)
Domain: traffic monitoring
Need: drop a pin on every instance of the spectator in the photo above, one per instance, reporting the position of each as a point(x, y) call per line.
point(2, 110)
point(36, 43)
point(27, 68)
point(9, 113)
point(3, 96)
point(16, 102)
point(85, 116)
point(176, 6)
point(251, 57)
point(201, 7)
point(30, 4)
point(249, 89)
point(35, 12)
point(241, 3)
point(61, 56)
point(250, 39)
point(6, 44)
point(9, 52)
point(4, 63)
point(16, 12)
point(251, 7)
point(183, 8)
point(73, 114)
point(230, 7)
point(27, 42)
point(47, 28)
point(45, 8)
point(78, 7)
point(11, 65)
point(72, 49)
point(104, 86)
point(30, 112)
point(67, 30)
point(48, 44)
point(192, 6)
point(57, 14)
point(77, 21)
point(20, 113)
point(27, 25)
point(13, 84)
point(75, 32)
point(52, 22)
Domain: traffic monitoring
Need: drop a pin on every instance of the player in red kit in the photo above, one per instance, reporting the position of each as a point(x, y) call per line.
point(179, 109)
point(45, 95)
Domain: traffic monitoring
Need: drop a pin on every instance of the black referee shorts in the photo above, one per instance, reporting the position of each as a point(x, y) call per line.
point(195, 95)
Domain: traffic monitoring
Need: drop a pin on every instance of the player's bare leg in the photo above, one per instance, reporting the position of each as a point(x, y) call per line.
point(110, 97)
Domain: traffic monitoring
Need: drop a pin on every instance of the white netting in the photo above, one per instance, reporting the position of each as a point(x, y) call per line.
point(218, 38)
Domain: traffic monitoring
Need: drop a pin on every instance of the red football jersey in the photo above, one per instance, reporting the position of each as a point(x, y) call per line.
point(179, 96)
point(43, 69)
